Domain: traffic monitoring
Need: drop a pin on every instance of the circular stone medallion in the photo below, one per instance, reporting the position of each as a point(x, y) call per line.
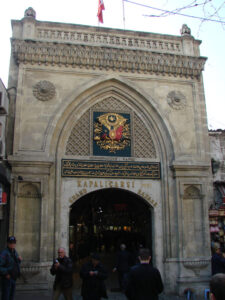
point(176, 100)
point(44, 90)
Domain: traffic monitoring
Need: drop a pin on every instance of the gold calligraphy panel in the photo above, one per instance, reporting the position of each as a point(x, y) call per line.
point(105, 169)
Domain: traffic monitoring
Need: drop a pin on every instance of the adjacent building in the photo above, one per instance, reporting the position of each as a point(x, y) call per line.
point(217, 207)
point(4, 167)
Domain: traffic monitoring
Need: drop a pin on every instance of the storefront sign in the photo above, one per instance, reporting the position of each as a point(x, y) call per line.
point(105, 184)
point(97, 169)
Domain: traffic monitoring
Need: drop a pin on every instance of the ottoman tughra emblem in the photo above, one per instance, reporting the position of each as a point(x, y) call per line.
point(112, 132)
point(44, 90)
point(176, 100)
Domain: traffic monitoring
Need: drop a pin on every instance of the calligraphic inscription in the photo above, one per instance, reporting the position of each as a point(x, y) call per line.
point(97, 169)
point(111, 134)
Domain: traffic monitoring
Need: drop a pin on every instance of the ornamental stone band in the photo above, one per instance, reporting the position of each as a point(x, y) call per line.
point(104, 58)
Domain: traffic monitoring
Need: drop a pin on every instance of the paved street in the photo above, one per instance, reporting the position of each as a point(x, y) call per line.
point(76, 296)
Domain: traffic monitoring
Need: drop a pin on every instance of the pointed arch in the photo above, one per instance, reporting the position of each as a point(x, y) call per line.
point(129, 94)
point(95, 92)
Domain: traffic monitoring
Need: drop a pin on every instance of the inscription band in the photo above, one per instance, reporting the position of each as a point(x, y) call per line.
point(97, 169)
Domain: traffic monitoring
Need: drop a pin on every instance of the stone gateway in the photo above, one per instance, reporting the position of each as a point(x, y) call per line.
point(108, 141)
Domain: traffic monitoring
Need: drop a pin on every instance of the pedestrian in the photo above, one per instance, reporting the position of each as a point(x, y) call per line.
point(72, 254)
point(62, 268)
point(217, 287)
point(9, 268)
point(144, 282)
point(123, 264)
point(93, 275)
point(218, 262)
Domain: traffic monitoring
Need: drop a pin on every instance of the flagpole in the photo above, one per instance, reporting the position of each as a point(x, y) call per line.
point(123, 15)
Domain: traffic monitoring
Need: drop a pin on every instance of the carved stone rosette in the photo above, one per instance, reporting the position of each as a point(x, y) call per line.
point(44, 90)
point(176, 100)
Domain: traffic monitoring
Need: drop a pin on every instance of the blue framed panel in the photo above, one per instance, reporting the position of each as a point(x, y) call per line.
point(111, 134)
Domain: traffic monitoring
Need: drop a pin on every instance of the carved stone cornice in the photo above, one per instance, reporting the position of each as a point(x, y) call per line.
point(190, 170)
point(107, 58)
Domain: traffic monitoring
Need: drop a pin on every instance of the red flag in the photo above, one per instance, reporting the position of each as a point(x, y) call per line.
point(101, 7)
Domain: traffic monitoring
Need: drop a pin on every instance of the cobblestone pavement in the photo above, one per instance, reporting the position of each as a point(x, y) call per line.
point(76, 296)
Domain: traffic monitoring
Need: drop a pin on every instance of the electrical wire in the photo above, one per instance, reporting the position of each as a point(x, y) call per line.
point(173, 13)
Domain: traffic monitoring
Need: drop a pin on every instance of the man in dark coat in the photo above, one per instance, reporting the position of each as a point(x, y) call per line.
point(9, 269)
point(218, 262)
point(217, 287)
point(62, 268)
point(123, 263)
point(93, 275)
point(144, 281)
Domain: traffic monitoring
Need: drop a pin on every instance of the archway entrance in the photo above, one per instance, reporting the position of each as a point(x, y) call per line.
point(100, 221)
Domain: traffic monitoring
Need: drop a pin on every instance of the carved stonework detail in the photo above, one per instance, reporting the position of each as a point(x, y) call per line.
point(143, 143)
point(44, 90)
point(185, 30)
point(29, 190)
point(176, 100)
point(30, 12)
point(111, 103)
point(107, 58)
point(196, 264)
point(192, 192)
point(79, 141)
point(109, 39)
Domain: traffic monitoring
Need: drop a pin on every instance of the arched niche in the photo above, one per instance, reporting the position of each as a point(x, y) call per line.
point(28, 220)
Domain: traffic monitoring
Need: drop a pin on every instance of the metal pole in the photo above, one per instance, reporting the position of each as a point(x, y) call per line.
point(123, 15)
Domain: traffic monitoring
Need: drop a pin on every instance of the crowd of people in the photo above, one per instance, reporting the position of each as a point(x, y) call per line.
point(141, 281)
point(138, 282)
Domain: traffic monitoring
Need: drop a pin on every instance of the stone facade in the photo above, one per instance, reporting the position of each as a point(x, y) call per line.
point(65, 73)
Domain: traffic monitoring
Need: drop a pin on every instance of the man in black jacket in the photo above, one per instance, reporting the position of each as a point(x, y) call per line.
point(218, 262)
point(9, 269)
point(144, 281)
point(123, 263)
point(62, 268)
point(93, 274)
point(217, 287)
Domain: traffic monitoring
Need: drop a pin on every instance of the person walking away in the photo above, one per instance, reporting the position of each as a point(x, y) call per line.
point(9, 269)
point(218, 262)
point(144, 281)
point(217, 287)
point(62, 269)
point(93, 275)
point(123, 263)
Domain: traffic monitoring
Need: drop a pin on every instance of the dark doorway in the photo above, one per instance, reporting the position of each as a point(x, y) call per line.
point(102, 220)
